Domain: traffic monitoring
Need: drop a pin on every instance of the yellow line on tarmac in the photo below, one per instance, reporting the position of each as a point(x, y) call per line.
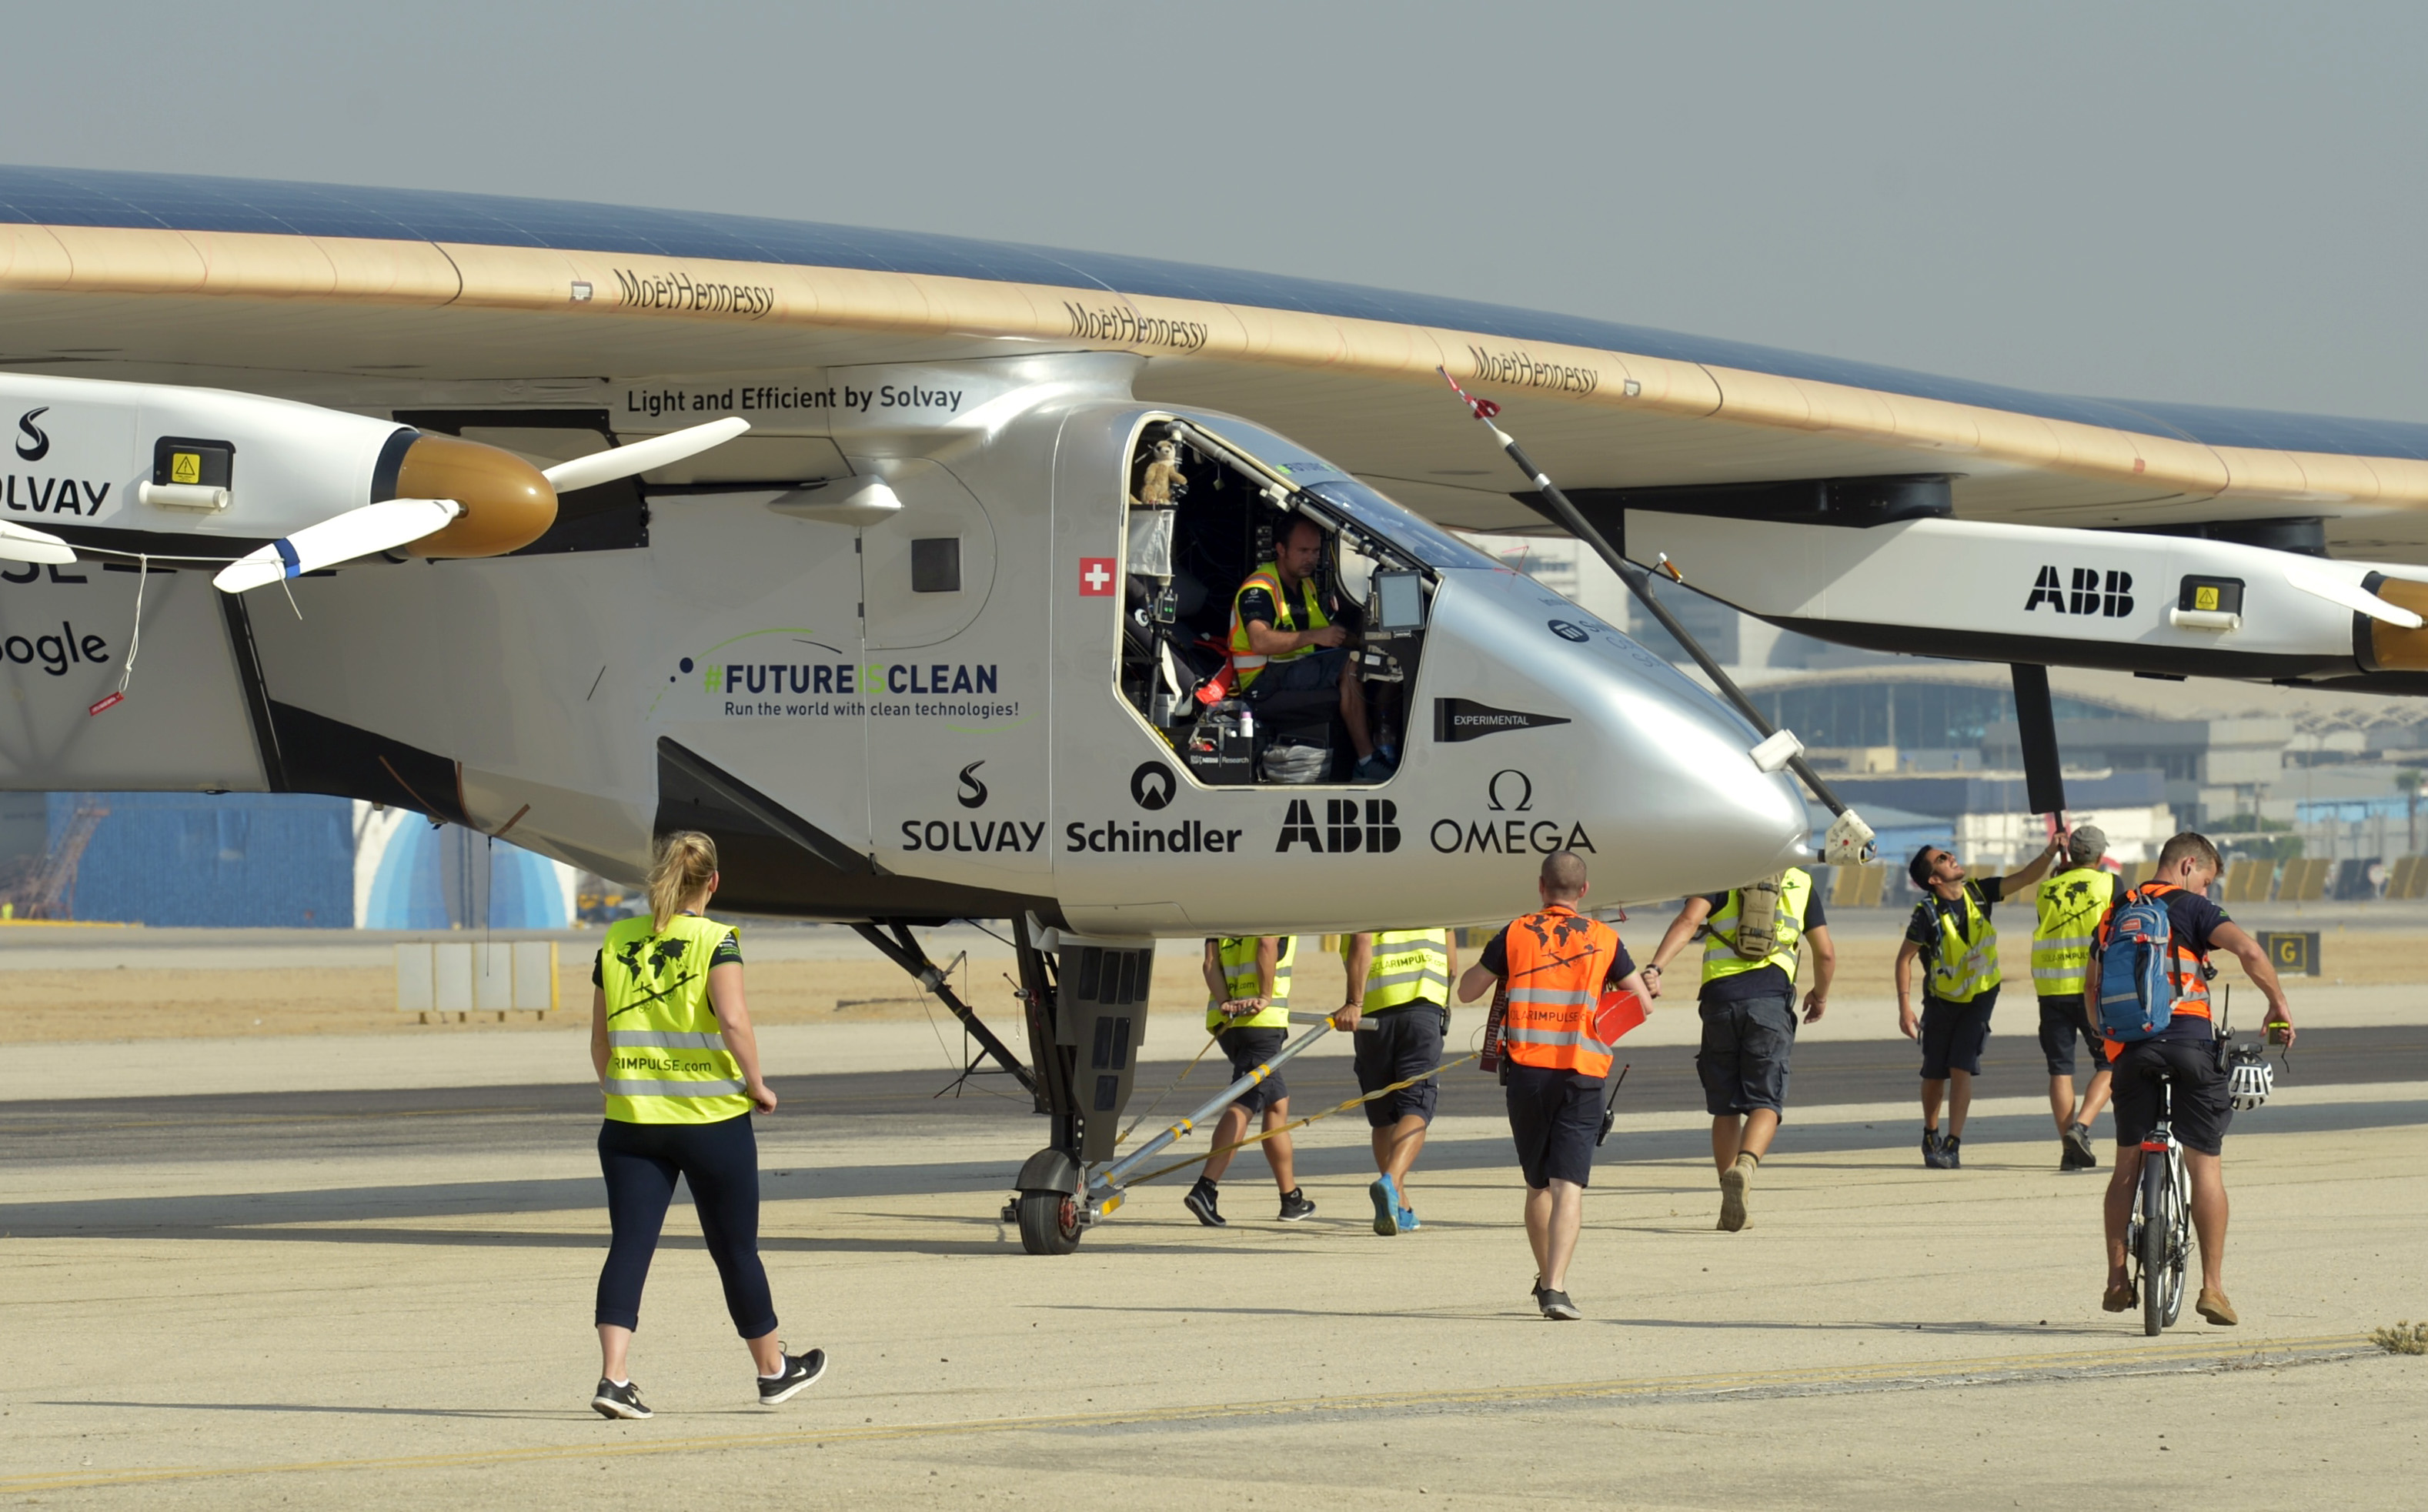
point(2191, 1355)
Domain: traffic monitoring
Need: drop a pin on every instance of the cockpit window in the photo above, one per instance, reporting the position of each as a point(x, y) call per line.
point(1273, 614)
point(1420, 537)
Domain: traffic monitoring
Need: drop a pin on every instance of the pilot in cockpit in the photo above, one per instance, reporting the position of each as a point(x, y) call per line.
point(1282, 641)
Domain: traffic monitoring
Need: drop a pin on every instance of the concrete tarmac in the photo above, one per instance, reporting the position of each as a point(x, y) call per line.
point(345, 1296)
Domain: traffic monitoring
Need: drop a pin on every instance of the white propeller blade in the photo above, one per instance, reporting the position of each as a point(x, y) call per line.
point(380, 526)
point(2352, 596)
point(19, 544)
point(657, 452)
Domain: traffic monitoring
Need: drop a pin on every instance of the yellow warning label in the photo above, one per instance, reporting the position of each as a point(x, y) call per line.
point(185, 466)
point(2205, 597)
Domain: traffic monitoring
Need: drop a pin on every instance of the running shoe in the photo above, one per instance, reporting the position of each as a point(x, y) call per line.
point(612, 1401)
point(1408, 1223)
point(1386, 1193)
point(2080, 1155)
point(1556, 1306)
point(1949, 1152)
point(1374, 768)
point(1733, 1182)
point(1934, 1153)
point(1296, 1209)
point(1201, 1202)
point(799, 1373)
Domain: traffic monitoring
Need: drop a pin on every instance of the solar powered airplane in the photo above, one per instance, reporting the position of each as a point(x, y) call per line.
point(903, 566)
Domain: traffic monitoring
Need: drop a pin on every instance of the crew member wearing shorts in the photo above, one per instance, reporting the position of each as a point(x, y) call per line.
point(1398, 995)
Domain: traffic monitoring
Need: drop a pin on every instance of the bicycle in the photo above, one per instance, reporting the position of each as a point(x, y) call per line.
point(2161, 1235)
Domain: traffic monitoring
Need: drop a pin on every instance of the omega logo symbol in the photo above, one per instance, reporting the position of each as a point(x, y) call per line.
point(1521, 788)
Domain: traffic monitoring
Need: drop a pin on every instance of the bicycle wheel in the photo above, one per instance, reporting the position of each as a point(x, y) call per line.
point(2179, 1236)
point(2157, 1223)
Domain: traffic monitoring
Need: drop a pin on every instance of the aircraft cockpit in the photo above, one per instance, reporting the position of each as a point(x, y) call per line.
point(1212, 527)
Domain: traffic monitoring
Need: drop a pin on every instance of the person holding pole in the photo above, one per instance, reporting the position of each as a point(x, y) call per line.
point(2071, 904)
point(1556, 964)
point(1952, 932)
point(1248, 977)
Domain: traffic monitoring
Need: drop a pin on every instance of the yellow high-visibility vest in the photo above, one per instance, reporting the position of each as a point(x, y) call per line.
point(666, 1060)
point(1409, 964)
point(1237, 954)
point(1961, 971)
point(1720, 958)
point(1267, 577)
point(2071, 905)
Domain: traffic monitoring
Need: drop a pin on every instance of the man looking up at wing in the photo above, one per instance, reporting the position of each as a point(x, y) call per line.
point(1953, 933)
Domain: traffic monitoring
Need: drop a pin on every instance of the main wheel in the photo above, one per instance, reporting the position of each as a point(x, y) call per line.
point(1049, 1222)
point(2157, 1226)
point(2179, 1240)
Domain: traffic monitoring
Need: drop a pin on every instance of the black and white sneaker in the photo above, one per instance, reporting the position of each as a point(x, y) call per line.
point(1201, 1202)
point(1296, 1209)
point(1934, 1153)
point(801, 1372)
point(612, 1401)
point(1556, 1306)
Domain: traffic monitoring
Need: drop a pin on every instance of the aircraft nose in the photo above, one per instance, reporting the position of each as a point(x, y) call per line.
point(1658, 769)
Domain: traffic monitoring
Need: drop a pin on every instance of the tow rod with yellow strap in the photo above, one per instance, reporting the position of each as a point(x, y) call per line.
point(1108, 1188)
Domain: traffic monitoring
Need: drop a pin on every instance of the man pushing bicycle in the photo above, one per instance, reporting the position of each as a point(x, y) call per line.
point(2161, 1040)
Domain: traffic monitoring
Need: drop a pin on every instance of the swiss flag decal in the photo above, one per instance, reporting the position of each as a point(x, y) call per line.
point(1096, 576)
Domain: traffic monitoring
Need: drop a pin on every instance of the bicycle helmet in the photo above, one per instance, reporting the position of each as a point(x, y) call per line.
point(2250, 1079)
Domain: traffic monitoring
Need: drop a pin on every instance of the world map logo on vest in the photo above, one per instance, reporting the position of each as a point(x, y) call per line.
point(666, 953)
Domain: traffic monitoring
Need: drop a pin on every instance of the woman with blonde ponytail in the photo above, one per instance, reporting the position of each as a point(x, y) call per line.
point(671, 1041)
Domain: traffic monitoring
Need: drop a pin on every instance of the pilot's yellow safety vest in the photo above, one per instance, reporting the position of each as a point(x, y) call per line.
point(1243, 657)
point(1237, 954)
point(1961, 971)
point(666, 1060)
point(2071, 906)
point(1410, 966)
point(1720, 958)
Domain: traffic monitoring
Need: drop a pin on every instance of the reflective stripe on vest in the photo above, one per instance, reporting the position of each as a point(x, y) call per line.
point(2071, 905)
point(1961, 971)
point(1410, 966)
point(667, 1058)
point(1237, 954)
point(1243, 657)
point(1557, 962)
point(1720, 958)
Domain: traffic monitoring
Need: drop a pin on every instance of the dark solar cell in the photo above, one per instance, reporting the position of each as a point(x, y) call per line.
point(80, 197)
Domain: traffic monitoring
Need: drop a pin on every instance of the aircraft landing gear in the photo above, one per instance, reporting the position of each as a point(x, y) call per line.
point(1049, 1222)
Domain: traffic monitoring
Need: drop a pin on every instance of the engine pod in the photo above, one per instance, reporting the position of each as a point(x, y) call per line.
point(507, 503)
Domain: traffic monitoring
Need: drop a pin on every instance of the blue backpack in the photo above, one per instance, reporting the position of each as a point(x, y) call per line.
point(2136, 997)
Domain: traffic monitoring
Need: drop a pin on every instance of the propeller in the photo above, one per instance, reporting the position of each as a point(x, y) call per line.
point(19, 544)
point(640, 456)
point(2352, 596)
point(395, 522)
point(381, 527)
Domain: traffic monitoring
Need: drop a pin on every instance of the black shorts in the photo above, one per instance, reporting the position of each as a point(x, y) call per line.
point(1555, 1116)
point(2203, 1103)
point(2061, 1019)
point(1393, 1045)
point(1955, 1034)
point(1318, 668)
point(1743, 1061)
point(1249, 1049)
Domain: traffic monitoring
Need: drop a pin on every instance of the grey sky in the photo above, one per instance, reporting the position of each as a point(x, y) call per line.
point(2206, 202)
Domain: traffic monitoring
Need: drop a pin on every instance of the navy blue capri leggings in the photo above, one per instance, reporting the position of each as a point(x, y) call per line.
point(720, 1162)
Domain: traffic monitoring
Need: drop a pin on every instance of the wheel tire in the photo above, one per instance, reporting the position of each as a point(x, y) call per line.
point(1049, 1222)
point(2157, 1224)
